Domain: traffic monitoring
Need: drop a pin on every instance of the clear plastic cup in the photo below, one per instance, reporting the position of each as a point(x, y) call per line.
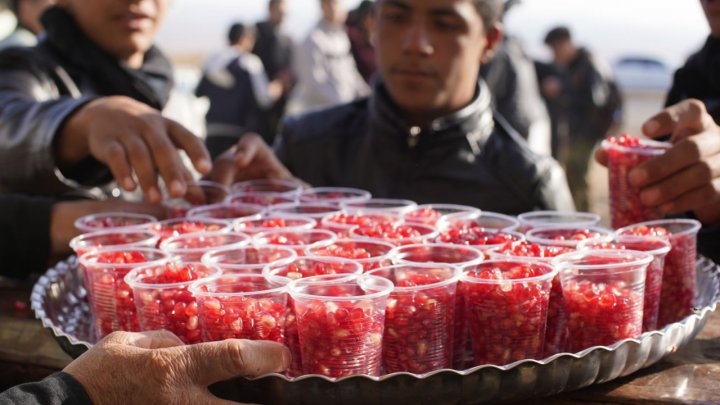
point(113, 237)
point(112, 220)
point(478, 237)
point(227, 211)
point(397, 234)
point(343, 223)
point(203, 192)
point(296, 240)
point(111, 301)
point(430, 214)
point(369, 253)
point(282, 273)
point(505, 310)
point(419, 318)
point(658, 248)
point(240, 306)
point(379, 206)
point(679, 283)
point(566, 236)
point(274, 222)
point(340, 321)
point(314, 210)
point(485, 219)
point(624, 154)
point(438, 253)
point(248, 259)
point(285, 187)
point(181, 226)
point(604, 292)
point(262, 199)
point(334, 195)
point(162, 298)
point(535, 219)
point(192, 246)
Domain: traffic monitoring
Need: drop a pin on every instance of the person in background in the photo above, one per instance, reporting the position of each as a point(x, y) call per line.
point(275, 50)
point(27, 13)
point(512, 80)
point(427, 132)
point(326, 70)
point(151, 367)
point(238, 89)
point(359, 28)
point(589, 103)
point(83, 107)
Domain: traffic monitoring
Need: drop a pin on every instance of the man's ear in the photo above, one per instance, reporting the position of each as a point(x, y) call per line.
point(493, 37)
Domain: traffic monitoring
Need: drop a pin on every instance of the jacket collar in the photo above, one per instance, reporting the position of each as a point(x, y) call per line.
point(473, 122)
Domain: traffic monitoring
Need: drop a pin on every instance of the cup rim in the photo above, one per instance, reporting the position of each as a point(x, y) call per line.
point(171, 251)
point(293, 255)
point(311, 222)
point(332, 237)
point(665, 249)
point(268, 268)
point(309, 249)
point(130, 278)
point(659, 148)
point(450, 280)
point(359, 194)
point(193, 212)
point(395, 253)
point(79, 223)
point(85, 260)
point(528, 218)
point(463, 216)
point(693, 226)
point(74, 242)
point(553, 271)
point(640, 259)
point(334, 279)
point(532, 238)
point(194, 288)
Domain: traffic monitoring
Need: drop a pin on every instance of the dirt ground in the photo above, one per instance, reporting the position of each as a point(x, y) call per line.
point(638, 107)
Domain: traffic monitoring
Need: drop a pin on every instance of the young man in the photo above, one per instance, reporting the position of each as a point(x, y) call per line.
point(83, 106)
point(427, 132)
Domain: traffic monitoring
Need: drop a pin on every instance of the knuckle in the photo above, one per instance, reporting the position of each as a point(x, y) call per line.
point(236, 356)
point(704, 173)
point(696, 107)
point(691, 148)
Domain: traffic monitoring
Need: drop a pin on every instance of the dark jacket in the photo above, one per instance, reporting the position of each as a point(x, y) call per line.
point(57, 389)
point(700, 78)
point(273, 48)
point(465, 158)
point(24, 234)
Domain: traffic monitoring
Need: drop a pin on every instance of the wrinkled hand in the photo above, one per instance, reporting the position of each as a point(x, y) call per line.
point(687, 177)
point(250, 159)
point(129, 136)
point(157, 368)
point(64, 214)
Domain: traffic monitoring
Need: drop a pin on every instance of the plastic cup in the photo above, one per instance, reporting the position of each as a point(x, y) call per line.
point(192, 246)
point(420, 317)
point(379, 206)
point(162, 298)
point(262, 199)
point(181, 226)
point(274, 222)
point(430, 214)
point(478, 237)
point(679, 283)
point(227, 211)
point(397, 234)
point(248, 259)
point(111, 301)
point(112, 220)
point(658, 248)
point(203, 192)
point(535, 219)
point(127, 238)
point(485, 219)
point(369, 253)
point(314, 210)
point(505, 310)
point(566, 236)
point(625, 205)
point(334, 195)
point(340, 322)
point(269, 186)
point(604, 293)
point(282, 274)
point(240, 306)
point(343, 223)
point(296, 240)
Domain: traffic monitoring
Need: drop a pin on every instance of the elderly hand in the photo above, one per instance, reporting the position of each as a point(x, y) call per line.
point(250, 159)
point(687, 177)
point(157, 368)
point(129, 136)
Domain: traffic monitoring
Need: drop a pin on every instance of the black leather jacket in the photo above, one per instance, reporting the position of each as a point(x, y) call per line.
point(469, 157)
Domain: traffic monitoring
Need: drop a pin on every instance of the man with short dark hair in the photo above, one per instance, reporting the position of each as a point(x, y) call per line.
point(427, 132)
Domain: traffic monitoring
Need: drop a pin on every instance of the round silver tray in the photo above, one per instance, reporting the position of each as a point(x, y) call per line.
point(59, 301)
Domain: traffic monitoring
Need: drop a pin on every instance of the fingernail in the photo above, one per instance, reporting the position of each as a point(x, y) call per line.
point(153, 195)
point(651, 126)
point(177, 188)
point(204, 165)
point(637, 177)
point(128, 184)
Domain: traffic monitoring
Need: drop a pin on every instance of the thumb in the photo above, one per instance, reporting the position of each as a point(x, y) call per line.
point(207, 363)
point(247, 148)
point(679, 120)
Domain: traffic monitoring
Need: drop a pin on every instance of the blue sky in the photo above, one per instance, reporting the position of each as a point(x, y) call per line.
point(667, 29)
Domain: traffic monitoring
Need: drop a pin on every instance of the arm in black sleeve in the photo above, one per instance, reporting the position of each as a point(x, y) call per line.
point(24, 234)
point(57, 389)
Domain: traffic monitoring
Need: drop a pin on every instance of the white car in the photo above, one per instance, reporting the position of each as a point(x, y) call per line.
point(642, 73)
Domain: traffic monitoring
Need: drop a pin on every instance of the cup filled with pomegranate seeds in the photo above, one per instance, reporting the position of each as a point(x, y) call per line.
point(398, 234)
point(314, 210)
point(274, 222)
point(191, 247)
point(162, 298)
point(470, 232)
point(125, 237)
point(112, 220)
point(566, 236)
point(370, 254)
point(181, 226)
point(431, 214)
point(342, 223)
point(297, 240)
point(248, 259)
point(624, 154)
point(485, 220)
point(534, 219)
point(202, 192)
point(334, 195)
point(227, 211)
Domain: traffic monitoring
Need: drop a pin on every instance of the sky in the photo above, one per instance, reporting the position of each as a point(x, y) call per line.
point(665, 29)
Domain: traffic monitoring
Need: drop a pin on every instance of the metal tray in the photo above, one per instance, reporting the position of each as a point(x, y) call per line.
point(58, 299)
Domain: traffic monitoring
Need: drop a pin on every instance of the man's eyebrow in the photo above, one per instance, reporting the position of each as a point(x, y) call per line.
point(397, 3)
point(444, 12)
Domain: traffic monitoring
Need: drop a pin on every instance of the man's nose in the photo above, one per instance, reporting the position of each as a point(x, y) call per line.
point(418, 41)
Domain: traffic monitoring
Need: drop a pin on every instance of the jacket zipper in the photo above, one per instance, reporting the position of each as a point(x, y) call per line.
point(413, 135)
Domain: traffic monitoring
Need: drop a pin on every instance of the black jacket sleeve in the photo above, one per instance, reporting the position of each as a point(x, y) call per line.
point(24, 234)
point(59, 388)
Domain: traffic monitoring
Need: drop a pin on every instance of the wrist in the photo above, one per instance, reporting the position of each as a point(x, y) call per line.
point(71, 144)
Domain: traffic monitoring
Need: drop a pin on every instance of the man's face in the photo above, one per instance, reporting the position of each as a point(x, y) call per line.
point(332, 11)
point(429, 52)
point(712, 13)
point(277, 12)
point(123, 28)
